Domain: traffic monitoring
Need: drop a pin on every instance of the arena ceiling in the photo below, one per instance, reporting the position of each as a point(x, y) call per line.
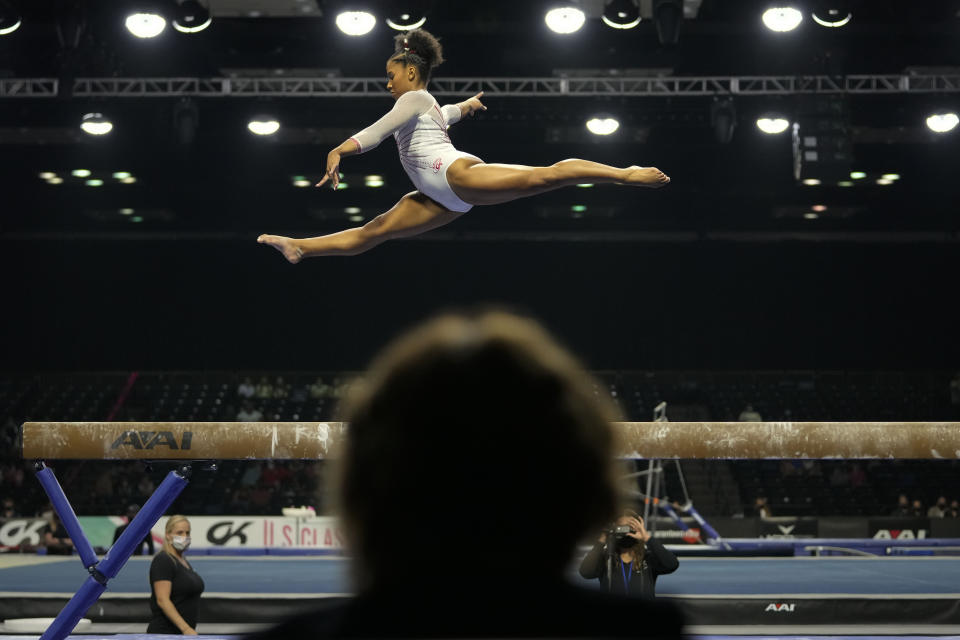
point(196, 169)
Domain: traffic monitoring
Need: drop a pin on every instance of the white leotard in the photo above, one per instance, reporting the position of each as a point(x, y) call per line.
point(419, 126)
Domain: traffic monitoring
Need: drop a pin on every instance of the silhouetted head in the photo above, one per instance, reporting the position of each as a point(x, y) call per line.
point(474, 433)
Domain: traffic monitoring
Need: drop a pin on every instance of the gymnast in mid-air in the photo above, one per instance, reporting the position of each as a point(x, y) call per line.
point(449, 182)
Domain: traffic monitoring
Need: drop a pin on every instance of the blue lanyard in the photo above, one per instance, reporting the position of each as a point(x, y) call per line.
point(626, 570)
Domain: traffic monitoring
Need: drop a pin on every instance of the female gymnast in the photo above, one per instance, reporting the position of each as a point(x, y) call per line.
point(449, 182)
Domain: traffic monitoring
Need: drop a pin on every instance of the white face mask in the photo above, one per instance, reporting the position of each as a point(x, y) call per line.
point(180, 543)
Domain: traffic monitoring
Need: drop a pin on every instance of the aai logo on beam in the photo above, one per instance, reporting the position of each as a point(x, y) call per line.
point(152, 439)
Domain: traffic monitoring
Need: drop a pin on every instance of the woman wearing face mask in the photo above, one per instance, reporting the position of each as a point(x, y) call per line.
point(638, 559)
point(175, 587)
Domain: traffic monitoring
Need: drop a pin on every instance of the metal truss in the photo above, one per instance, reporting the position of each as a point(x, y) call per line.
point(28, 88)
point(503, 87)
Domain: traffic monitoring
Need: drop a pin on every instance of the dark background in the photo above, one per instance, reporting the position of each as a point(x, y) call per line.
point(719, 270)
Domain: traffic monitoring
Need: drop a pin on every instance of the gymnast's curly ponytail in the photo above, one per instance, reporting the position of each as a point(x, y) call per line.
point(419, 48)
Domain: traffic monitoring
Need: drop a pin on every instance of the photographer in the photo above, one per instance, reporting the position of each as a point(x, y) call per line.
point(636, 558)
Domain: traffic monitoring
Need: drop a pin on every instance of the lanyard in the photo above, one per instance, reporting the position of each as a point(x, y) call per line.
point(626, 570)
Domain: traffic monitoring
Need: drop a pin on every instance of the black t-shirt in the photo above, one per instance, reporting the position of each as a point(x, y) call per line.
point(185, 589)
point(60, 534)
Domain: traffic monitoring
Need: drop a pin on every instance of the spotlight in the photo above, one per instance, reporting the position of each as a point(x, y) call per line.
point(782, 19)
point(263, 125)
point(566, 19)
point(356, 23)
point(773, 125)
point(9, 18)
point(942, 122)
point(146, 25)
point(621, 14)
point(723, 117)
point(602, 126)
point(831, 14)
point(80, 173)
point(667, 16)
point(407, 17)
point(191, 17)
point(96, 124)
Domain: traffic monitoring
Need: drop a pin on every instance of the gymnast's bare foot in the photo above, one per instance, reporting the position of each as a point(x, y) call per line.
point(645, 177)
point(284, 245)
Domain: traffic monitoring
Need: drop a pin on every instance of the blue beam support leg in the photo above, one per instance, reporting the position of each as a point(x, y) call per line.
point(119, 553)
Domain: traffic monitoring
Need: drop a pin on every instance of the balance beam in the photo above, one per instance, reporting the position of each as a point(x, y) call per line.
point(635, 440)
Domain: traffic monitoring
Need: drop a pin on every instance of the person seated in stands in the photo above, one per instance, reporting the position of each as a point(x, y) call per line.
point(246, 388)
point(280, 388)
point(749, 414)
point(264, 388)
point(954, 510)
point(902, 509)
point(55, 537)
point(249, 413)
point(147, 541)
point(9, 509)
point(917, 510)
point(761, 509)
point(320, 389)
point(477, 458)
point(938, 509)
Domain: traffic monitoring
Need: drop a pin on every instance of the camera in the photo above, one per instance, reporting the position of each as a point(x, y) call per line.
point(620, 531)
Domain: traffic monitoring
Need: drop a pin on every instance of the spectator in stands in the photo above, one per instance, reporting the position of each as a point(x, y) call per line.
point(55, 537)
point(320, 389)
point(954, 510)
point(248, 413)
point(9, 509)
point(749, 414)
point(251, 474)
point(298, 394)
point(916, 509)
point(280, 388)
point(147, 541)
point(639, 557)
point(455, 437)
point(902, 510)
point(938, 509)
point(761, 509)
point(246, 388)
point(264, 388)
point(175, 588)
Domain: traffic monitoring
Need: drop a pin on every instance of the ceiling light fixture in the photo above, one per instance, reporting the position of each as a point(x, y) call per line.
point(191, 17)
point(96, 124)
point(406, 18)
point(356, 23)
point(602, 126)
point(773, 126)
point(9, 18)
point(564, 20)
point(621, 14)
point(145, 25)
point(832, 14)
point(942, 122)
point(263, 125)
point(782, 19)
